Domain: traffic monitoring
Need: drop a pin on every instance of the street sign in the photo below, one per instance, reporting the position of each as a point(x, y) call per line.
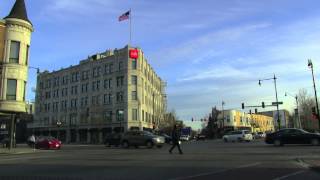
point(275, 103)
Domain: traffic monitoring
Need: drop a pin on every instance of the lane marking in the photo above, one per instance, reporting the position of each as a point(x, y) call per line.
point(290, 175)
point(215, 172)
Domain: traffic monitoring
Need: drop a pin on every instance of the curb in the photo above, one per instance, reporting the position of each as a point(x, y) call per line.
point(308, 165)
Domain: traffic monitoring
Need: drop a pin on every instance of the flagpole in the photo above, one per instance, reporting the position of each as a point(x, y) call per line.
point(130, 16)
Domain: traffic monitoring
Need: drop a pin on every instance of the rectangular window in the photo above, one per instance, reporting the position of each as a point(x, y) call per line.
point(134, 80)
point(134, 64)
point(134, 114)
point(108, 115)
point(142, 115)
point(107, 99)
point(14, 52)
point(120, 66)
point(119, 96)
point(120, 81)
point(110, 68)
point(134, 95)
point(24, 90)
point(11, 89)
point(27, 54)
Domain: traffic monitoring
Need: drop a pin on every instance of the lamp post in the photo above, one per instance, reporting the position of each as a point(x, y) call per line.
point(297, 113)
point(276, 91)
point(58, 125)
point(120, 116)
point(222, 104)
point(310, 65)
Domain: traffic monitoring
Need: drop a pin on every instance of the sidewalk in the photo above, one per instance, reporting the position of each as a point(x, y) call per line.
point(311, 163)
point(314, 164)
point(18, 150)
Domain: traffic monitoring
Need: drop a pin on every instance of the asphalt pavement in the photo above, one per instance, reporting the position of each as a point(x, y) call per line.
point(211, 159)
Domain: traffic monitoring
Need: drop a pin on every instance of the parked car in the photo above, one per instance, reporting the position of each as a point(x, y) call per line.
point(200, 137)
point(113, 139)
point(5, 142)
point(141, 138)
point(45, 142)
point(292, 136)
point(261, 134)
point(184, 137)
point(241, 135)
point(167, 138)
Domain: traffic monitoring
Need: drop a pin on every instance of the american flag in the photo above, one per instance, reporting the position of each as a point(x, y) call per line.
point(124, 16)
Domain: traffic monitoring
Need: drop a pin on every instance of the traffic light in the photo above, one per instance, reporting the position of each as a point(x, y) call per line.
point(263, 106)
point(242, 105)
point(256, 111)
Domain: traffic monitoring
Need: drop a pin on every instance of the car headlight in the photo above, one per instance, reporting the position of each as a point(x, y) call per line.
point(156, 139)
point(50, 142)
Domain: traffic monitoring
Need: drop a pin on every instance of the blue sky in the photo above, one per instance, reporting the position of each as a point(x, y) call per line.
point(206, 50)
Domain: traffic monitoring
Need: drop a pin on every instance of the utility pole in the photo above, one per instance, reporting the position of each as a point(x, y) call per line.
point(223, 103)
point(315, 90)
point(277, 102)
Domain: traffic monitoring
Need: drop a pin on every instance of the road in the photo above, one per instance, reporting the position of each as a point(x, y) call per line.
point(211, 159)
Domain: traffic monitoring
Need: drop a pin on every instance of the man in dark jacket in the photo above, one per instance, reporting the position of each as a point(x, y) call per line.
point(175, 139)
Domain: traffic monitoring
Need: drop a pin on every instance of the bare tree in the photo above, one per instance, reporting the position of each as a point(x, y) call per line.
point(306, 103)
point(170, 119)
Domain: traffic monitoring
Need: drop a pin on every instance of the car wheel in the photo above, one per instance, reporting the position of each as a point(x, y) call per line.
point(107, 144)
point(239, 140)
point(225, 139)
point(315, 142)
point(159, 146)
point(125, 144)
point(277, 142)
point(149, 144)
point(136, 147)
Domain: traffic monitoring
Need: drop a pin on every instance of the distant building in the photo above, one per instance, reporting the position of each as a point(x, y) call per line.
point(284, 116)
point(238, 120)
point(116, 90)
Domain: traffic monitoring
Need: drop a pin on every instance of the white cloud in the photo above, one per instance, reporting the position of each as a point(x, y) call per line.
point(218, 72)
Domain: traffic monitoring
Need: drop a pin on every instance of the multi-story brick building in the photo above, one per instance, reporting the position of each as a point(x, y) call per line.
point(112, 91)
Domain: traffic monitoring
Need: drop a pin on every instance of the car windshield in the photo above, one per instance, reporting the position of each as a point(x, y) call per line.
point(148, 133)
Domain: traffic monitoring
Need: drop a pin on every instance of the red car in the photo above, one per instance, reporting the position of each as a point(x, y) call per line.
point(47, 143)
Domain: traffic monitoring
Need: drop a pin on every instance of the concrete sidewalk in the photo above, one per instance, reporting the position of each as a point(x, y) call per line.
point(17, 150)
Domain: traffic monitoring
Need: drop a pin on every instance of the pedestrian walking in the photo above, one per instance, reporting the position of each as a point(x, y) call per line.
point(175, 135)
point(32, 141)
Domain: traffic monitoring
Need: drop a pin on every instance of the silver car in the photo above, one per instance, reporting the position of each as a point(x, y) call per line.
point(141, 138)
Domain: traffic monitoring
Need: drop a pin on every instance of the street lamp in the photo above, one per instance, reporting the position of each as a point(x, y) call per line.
point(222, 104)
point(310, 65)
point(120, 116)
point(59, 123)
point(297, 113)
point(276, 91)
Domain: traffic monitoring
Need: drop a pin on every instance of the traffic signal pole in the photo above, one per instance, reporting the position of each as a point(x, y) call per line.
point(315, 90)
point(275, 87)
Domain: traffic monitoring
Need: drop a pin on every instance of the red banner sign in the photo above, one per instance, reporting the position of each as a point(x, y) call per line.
point(134, 53)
